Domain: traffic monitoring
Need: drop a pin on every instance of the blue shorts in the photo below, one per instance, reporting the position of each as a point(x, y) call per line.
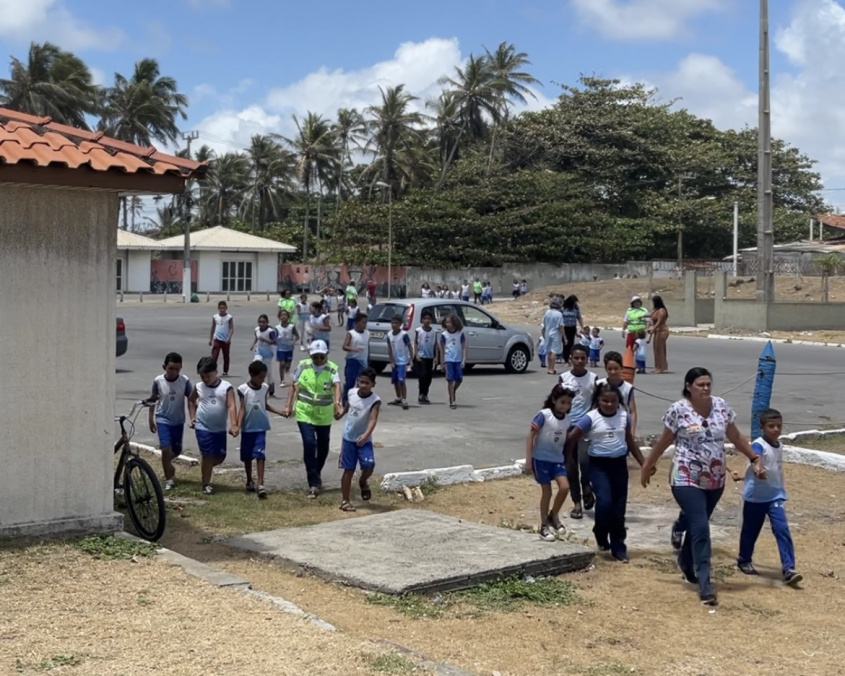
point(465, 299)
point(211, 443)
point(284, 355)
point(454, 372)
point(640, 363)
point(253, 446)
point(350, 324)
point(545, 472)
point(170, 436)
point(352, 455)
point(397, 374)
point(595, 355)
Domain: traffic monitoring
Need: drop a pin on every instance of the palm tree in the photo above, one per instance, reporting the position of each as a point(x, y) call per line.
point(52, 83)
point(350, 130)
point(447, 125)
point(272, 179)
point(225, 185)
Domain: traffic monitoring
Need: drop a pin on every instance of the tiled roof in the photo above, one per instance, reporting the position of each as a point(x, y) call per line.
point(224, 239)
point(132, 241)
point(39, 141)
point(831, 220)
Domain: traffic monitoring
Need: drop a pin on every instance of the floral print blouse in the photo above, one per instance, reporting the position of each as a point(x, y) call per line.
point(699, 459)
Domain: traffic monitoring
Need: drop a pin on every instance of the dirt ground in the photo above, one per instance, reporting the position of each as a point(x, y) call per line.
point(632, 619)
point(832, 443)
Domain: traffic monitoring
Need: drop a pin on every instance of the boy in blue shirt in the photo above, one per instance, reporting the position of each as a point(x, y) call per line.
point(400, 352)
point(765, 497)
point(167, 419)
point(361, 411)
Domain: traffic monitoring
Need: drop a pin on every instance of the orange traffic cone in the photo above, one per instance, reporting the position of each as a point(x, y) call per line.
point(629, 368)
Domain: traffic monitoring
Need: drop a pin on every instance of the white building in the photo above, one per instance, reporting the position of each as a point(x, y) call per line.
point(134, 253)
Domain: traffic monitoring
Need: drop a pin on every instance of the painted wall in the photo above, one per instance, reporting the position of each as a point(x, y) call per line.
point(57, 260)
point(165, 275)
point(267, 277)
point(137, 276)
point(299, 277)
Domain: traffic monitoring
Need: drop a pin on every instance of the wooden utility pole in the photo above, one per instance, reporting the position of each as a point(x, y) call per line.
point(186, 269)
point(765, 234)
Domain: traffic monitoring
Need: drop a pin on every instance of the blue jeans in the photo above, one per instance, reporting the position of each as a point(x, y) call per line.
point(609, 477)
point(753, 516)
point(697, 505)
point(315, 450)
point(350, 376)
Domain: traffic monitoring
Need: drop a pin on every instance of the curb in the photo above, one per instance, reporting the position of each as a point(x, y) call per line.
point(776, 341)
point(186, 459)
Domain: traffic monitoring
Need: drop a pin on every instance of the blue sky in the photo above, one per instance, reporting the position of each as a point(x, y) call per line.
point(248, 65)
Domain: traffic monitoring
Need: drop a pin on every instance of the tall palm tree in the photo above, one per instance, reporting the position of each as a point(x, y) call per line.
point(52, 82)
point(447, 124)
point(350, 131)
point(271, 179)
point(225, 184)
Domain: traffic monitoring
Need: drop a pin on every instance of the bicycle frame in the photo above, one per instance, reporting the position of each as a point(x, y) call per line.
point(122, 444)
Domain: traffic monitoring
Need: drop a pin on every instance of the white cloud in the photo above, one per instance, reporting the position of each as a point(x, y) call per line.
point(637, 20)
point(26, 20)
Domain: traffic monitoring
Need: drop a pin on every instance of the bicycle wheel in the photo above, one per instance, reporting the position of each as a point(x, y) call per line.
point(144, 499)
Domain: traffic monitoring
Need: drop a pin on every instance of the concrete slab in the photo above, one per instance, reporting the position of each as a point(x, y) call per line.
point(412, 550)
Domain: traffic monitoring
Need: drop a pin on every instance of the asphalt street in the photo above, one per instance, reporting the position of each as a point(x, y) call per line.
point(495, 408)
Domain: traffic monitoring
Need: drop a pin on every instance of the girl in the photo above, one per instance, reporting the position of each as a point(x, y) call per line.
point(453, 350)
point(341, 307)
point(640, 351)
point(263, 348)
point(571, 321)
point(321, 323)
point(286, 336)
point(544, 458)
point(303, 312)
point(607, 428)
point(613, 369)
point(351, 313)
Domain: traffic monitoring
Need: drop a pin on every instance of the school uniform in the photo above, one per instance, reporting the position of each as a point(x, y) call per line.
point(355, 361)
point(170, 410)
point(353, 454)
point(454, 344)
point(212, 417)
point(547, 456)
point(399, 344)
point(426, 342)
point(265, 348)
point(596, 346)
point(285, 335)
point(256, 422)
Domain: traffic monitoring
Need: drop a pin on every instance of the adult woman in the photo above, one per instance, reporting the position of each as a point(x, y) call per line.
point(634, 320)
point(552, 332)
point(659, 333)
point(571, 321)
point(698, 425)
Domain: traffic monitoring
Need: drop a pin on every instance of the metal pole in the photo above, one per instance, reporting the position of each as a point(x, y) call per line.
point(736, 239)
point(186, 268)
point(319, 223)
point(681, 178)
point(765, 235)
point(389, 243)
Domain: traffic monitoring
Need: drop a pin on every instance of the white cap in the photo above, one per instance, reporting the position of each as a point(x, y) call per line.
point(636, 298)
point(318, 347)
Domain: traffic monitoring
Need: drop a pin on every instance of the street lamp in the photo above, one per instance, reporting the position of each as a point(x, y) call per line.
point(382, 184)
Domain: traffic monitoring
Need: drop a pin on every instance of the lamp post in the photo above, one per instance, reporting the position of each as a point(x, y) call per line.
point(382, 184)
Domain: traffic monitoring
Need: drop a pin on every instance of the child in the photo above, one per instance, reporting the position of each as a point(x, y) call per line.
point(487, 294)
point(523, 287)
point(351, 313)
point(465, 291)
point(613, 369)
point(640, 351)
point(541, 350)
point(303, 313)
point(544, 458)
point(357, 348)
point(400, 352)
point(453, 351)
point(286, 336)
point(211, 405)
point(321, 323)
point(169, 392)
point(425, 345)
point(254, 423)
point(596, 345)
point(341, 308)
point(264, 346)
point(765, 497)
point(515, 292)
point(220, 338)
point(584, 336)
point(357, 446)
point(607, 429)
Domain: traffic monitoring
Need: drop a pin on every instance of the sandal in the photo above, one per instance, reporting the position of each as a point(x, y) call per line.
point(347, 506)
point(366, 493)
point(589, 500)
point(576, 513)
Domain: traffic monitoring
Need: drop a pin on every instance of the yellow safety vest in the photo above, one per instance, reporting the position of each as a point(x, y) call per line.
point(636, 318)
point(476, 287)
point(315, 399)
point(288, 305)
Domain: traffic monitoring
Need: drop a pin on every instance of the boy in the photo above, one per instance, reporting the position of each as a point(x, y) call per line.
point(254, 423)
point(357, 446)
point(425, 343)
point(211, 405)
point(400, 353)
point(357, 348)
point(351, 313)
point(584, 336)
point(222, 330)
point(765, 497)
point(596, 345)
point(169, 393)
point(264, 347)
point(640, 351)
point(286, 336)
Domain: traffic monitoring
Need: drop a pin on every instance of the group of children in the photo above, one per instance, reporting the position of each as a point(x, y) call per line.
point(482, 292)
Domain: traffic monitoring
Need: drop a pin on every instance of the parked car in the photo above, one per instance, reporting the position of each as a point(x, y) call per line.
point(122, 341)
point(488, 340)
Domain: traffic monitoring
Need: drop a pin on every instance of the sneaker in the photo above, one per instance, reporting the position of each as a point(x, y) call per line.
point(420, 400)
point(262, 492)
point(677, 539)
point(425, 399)
point(169, 485)
point(207, 489)
point(312, 493)
point(395, 402)
point(250, 487)
point(622, 558)
point(792, 578)
point(747, 568)
point(709, 600)
point(547, 534)
point(225, 374)
point(554, 522)
point(453, 405)
point(405, 406)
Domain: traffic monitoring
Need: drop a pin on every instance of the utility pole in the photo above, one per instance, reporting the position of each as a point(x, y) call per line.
point(765, 234)
point(681, 179)
point(186, 269)
point(319, 224)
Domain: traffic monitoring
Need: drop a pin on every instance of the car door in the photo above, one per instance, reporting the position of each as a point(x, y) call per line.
point(485, 343)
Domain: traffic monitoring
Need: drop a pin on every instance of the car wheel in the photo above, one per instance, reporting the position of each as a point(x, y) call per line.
point(517, 361)
point(378, 366)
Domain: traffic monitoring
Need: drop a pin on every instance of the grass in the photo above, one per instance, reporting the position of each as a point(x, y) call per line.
point(110, 547)
point(391, 663)
point(57, 661)
point(411, 605)
point(831, 443)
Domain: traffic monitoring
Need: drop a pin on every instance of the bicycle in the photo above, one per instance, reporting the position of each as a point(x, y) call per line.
point(137, 482)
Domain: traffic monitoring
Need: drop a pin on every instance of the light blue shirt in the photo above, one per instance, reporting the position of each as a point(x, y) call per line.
point(265, 349)
point(551, 436)
point(399, 343)
point(771, 488)
point(358, 415)
point(170, 399)
point(453, 344)
point(254, 403)
point(212, 410)
point(606, 433)
point(583, 386)
point(426, 340)
point(284, 338)
point(552, 321)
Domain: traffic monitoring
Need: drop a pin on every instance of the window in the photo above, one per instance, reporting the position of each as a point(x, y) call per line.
point(441, 312)
point(120, 274)
point(237, 276)
point(475, 318)
point(384, 312)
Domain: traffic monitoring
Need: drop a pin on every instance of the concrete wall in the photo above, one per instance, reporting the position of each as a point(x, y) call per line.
point(57, 268)
point(267, 276)
point(210, 270)
point(705, 311)
point(137, 271)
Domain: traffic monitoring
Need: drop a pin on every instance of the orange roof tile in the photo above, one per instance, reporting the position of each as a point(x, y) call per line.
point(831, 220)
point(42, 142)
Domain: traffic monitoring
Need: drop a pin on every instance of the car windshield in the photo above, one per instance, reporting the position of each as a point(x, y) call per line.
point(384, 312)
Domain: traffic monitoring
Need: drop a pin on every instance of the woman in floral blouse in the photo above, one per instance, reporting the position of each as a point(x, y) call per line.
point(698, 425)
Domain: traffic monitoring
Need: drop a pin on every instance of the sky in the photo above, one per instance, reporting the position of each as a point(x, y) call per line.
point(248, 66)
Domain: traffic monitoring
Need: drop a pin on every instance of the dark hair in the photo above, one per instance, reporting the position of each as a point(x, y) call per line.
point(557, 392)
point(368, 373)
point(172, 358)
point(359, 316)
point(257, 367)
point(428, 314)
point(570, 302)
point(613, 356)
point(601, 389)
point(396, 318)
point(641, 333)
point(579, 348)
point(456, 321)
point(207, 365)
point(658, 304)
point(286, 293)
point(692, 375)
point(223, 303)
point(770, 414)
point(265, 317)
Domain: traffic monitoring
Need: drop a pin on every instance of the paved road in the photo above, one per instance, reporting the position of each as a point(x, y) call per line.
point(490, 425)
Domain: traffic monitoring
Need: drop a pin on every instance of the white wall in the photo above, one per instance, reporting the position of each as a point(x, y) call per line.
point(267, 277)
point(210, 271)
point(57, 261)
point(137, 272)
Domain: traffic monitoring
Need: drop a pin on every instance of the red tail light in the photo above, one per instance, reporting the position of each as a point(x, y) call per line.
point(409, 320)
point(121, 326)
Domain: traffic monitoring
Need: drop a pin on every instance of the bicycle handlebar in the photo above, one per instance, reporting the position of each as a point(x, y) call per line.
point(136, 408)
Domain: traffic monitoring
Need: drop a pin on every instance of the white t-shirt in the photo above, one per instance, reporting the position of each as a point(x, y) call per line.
point(399, 343)
point(318, 331)
point(551, 436)
point(425, 293)
point(284, 337)
point(583, 386)
point(222, 324)
point(606, 434)
point(426, 342)
point(640, 354)
point(358, 416)
point(352, 311)
point(359, 341)
point(254, 403)
point(464, 290)
point(212, 409)
point(265, 345)
point(170, 401)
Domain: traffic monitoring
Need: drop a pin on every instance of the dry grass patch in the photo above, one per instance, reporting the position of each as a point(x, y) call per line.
point(832, 443)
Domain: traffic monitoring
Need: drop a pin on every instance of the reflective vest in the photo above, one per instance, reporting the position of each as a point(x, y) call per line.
point(476, 287)
point(636, 318)
point(288, 305)
point(315, 400)
point(351, 292)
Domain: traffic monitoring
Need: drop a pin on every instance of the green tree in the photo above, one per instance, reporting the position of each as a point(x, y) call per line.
point(271, 181)
point(349, 133)
point(225, 185)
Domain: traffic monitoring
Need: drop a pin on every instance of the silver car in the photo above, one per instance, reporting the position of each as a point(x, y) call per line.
point(488, 340)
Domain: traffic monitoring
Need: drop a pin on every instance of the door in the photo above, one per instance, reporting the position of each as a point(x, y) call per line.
point(485, 343)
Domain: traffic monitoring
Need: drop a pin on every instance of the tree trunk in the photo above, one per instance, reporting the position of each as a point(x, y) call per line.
point(451, 155)
point(305, 229)
point(825, 287)
point(125, 205)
